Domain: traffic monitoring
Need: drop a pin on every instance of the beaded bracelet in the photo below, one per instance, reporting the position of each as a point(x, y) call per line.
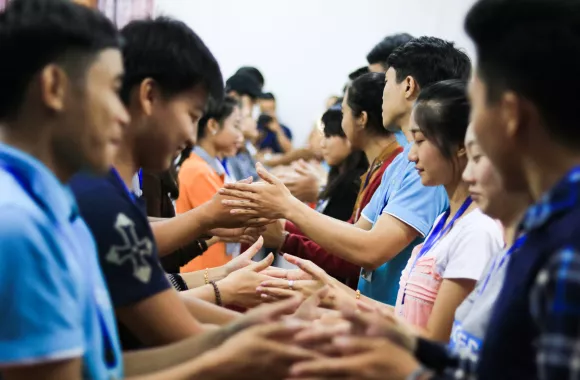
point(206, 276)
point(218, 296)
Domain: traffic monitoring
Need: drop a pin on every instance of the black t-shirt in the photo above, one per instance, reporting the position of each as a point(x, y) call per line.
point(127, 250)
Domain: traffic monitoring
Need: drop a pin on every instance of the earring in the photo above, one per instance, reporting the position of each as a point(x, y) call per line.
point(214, 132)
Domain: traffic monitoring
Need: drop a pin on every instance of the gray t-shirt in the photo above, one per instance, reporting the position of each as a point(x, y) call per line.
point(473, 315)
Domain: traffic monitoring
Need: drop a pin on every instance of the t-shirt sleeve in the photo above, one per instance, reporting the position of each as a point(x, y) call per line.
point(196, 186)
point(415, 204)
point(472, 250)
point(41, 316)
point(373, 209)
point(127, 251)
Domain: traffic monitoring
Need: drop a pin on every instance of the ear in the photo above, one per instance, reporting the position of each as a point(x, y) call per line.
point(212, 128)
point(147, 95)
point(363, 119)
point(461, 152)
point(54, 84)
point(511, 113)
point(411, 88)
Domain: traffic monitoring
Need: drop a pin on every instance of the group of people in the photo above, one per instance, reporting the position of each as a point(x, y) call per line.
point(442, 243)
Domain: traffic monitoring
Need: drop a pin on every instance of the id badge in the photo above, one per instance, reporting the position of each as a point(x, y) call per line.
point(367, 275)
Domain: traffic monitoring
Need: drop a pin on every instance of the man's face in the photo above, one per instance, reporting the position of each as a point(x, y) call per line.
point(91, 127)
point(268, 107)
point(376, 68)
point(171, 126)
point(395, 104)
point(491, 132)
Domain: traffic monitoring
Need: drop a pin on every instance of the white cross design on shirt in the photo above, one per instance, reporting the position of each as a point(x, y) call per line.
point(132, 249)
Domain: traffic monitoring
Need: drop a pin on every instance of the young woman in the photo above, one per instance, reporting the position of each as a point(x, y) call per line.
point(363, 128)
point(444, 269)
point(203, 174)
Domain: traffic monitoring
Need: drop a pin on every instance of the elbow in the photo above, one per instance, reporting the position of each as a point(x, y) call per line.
point(373, 258)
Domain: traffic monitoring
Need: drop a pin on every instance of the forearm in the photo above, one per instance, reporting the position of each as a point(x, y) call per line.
point(284, 142)
point(288, 158)
point(173, 233)
point(342, 239)
point(198, 278)
point(175, 356)
point(206, 312)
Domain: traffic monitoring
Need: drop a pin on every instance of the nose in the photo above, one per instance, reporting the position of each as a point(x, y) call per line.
point(413, 157)
point(467, 174)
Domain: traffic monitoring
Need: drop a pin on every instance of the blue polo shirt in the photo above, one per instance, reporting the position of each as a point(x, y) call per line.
point(55, 305)
point(126, 246)
point(402, 196)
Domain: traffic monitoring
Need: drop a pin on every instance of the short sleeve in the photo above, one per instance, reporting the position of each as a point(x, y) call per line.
point(41, 318)
point(288, 133)
point(373, 209)
point(473, 248)
point(415, 204)
point(127, 251)
point(196, 186)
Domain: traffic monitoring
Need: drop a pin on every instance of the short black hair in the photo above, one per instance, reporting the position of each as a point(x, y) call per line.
point(521, 46)
point(253, 72)
point(244, 84)
point(442, 114)
point(36, 33)
point(381, 52)
point(170, 53)
point(268, 96)
point(365, 93)
point(332, 120)
point(219, 111)
point(429, 60)
point(358, 72)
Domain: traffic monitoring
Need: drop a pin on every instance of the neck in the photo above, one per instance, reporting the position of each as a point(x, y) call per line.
point(126, 164)
point(38, 145)
point(457, 193)
point(511, 225)
point(208, 147)
point(544, 174)
point(376, 146)
point(406, 126)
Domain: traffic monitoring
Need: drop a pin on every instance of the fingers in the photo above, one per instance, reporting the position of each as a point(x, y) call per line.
point(349, 345)
point(254, 249)
point(240, 186)
point(266, 176)
point(259, 222)
point(236, 193)
point(246, 212)
point(275, 293)
point(307, 266)
point(246, 180)
point(275, 272)
point(281, 284)
point(261, 265)
point(324, 368)
point(275, 311)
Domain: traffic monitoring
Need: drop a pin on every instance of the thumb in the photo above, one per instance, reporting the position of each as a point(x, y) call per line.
point(261, 265)
point(254, 249)
point(266, 176)
point(246, 180)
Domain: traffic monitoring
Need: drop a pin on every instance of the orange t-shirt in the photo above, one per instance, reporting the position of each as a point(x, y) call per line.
point(198, 183)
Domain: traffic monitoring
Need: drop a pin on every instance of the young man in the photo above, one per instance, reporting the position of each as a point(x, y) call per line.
point(377, 57)
point(169, 75)
point(402, 210)
point(531, 135)
point(274, 136)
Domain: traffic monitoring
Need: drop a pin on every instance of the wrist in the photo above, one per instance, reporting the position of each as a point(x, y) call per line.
point(226, 291)
point(204, 217)
point(292, 210)
point(219, 273)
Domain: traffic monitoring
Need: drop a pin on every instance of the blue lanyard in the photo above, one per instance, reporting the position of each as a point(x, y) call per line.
point(436, 234)
point(108, 348)
point(515, 247)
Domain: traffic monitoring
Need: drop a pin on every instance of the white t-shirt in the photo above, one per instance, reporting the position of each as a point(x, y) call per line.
point(463, 253)
point(468, 247)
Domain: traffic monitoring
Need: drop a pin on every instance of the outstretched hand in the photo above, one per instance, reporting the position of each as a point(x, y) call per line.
point(269, 199)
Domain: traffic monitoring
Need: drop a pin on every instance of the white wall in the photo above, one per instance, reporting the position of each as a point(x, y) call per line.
point(306, 48)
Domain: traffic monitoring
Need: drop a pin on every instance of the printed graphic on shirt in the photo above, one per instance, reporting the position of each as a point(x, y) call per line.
point(133, 250)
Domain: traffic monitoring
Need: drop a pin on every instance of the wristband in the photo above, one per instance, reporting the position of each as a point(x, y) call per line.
point(177, 282)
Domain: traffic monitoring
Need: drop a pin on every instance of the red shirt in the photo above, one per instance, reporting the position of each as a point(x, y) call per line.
point(299, 245)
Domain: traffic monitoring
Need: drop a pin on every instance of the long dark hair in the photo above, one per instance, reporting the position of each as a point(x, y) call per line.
point(349, 171)
point(365, 93)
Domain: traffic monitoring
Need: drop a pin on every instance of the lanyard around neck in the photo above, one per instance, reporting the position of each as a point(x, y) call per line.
point(437, 233)
point(497, 265)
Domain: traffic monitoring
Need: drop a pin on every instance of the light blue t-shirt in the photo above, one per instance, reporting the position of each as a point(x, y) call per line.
point(54, 301)
point(401, 195)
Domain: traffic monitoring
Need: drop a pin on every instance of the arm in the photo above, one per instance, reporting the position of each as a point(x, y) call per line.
point(555, 309)
point(450, 295)
point(160, 319)
point(206, 312)
point(57, 370)
point(284, 140)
